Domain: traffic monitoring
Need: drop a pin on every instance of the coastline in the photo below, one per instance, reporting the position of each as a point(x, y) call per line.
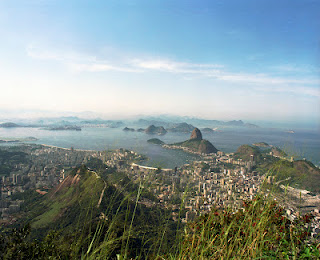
point(67, 149)
point(102, 140)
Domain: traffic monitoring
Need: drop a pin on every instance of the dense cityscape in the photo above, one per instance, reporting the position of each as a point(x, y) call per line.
point(219, 180)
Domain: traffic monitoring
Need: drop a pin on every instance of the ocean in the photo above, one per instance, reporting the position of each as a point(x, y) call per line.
point(300, 144)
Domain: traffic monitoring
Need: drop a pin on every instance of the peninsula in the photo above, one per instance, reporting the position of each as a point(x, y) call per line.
point(195, 144)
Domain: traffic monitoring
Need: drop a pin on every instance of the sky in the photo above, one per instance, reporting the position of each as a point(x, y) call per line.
point(247, 59)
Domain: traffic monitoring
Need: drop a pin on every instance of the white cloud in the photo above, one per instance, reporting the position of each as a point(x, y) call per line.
point(55, 55)
point(77, 61)
point(174, 66)
point(88, 63)
point(263, 79)
point(295, 68)
point(302, 91)
point(99, 67)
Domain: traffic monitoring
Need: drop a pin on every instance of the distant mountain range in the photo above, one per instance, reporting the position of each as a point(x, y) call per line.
point(174, 122)
point(171, 124)
point(9, 125)
point(156, 130)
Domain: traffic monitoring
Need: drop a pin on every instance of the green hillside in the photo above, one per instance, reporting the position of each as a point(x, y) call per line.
point(103, 214)
point(94, 207)
point(260, 231)
point(9, 159)
point(156, 141)
point(302, 174)
point(66, 205)
point(201, 146)
point(192, 144)
point(245, 152)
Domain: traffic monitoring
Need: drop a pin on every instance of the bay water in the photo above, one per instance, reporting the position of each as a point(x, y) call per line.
point(300, 144)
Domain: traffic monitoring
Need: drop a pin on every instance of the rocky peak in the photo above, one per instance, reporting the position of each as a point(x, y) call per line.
point(196, 134)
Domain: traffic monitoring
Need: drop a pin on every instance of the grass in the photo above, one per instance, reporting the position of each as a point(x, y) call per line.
point(257, 232)
point(48, 216)
point(90, 190)
point(260, 230)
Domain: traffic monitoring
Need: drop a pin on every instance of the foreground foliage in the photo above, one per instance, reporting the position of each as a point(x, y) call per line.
point(259, 231)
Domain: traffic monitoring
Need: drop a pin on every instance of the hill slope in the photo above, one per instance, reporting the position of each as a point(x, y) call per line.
point(69, 202)
point(247, 153)
point(155, 130)
point(303, 174)
point(105, 206)
point(197, 144)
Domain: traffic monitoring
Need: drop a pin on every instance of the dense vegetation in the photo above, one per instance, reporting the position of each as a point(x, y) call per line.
point(196, 145)
point(301, 174)
point(87, 210)
point(260, 231)
point(101, 215)
point(155, 141)
point(9, 159)
point(245, 152)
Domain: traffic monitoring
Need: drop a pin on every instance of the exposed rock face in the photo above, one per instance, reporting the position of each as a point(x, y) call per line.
point(196, 134)
point(197, 144)
point(278, 152)
point(206, 147)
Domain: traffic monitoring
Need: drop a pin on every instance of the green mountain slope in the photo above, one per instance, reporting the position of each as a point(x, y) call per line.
point(68, 204)
point(245, 152)
point(197, 144)
point(200, 146)
point(155, 141)
point(94, 207)
point(302, 174)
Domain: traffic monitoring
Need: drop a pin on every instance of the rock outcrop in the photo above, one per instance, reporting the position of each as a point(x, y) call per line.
point(196, 134)
point(197, 144)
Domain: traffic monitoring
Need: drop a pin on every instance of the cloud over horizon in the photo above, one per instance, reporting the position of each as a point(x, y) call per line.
point(212, 59)
point(89, 63)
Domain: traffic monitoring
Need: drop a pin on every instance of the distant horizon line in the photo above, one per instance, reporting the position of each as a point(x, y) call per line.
point(22, 115)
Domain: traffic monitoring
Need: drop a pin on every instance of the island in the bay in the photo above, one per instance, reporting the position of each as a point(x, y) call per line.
point(18, 140)
point(63, 128)
point(195, 144)
point(87, 195)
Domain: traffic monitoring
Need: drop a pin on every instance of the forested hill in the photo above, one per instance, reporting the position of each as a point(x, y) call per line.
point(87, 201)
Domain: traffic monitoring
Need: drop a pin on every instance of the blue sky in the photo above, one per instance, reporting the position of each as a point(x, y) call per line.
point(244, 59)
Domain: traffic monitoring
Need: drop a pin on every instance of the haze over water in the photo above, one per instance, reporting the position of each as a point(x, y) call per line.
point(301, 144)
